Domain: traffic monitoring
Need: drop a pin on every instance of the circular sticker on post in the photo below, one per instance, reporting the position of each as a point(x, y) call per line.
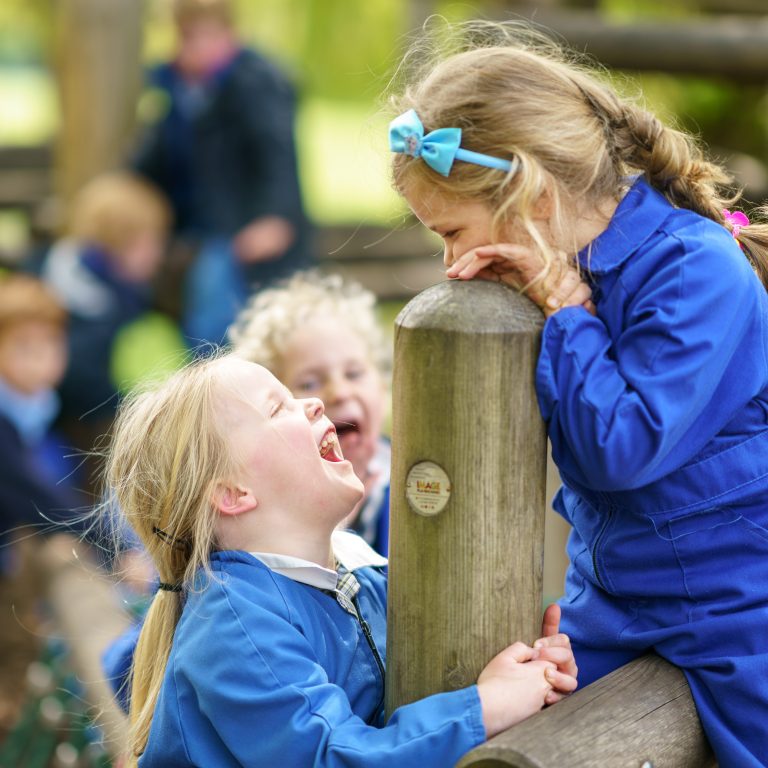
point(427, 488)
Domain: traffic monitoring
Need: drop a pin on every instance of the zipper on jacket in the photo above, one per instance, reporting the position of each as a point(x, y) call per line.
point(597, 544)
point(374, 650)
point(371, 644)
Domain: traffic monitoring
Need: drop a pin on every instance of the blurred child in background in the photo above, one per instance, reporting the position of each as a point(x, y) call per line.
point(35, 492)
point(320, 336)
point(102, 274)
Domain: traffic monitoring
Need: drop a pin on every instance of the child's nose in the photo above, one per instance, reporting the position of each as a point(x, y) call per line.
point(447, 255)
point(336, 390)
point(313, 408)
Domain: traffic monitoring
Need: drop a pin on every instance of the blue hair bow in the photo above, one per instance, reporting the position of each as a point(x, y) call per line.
point(438, 149)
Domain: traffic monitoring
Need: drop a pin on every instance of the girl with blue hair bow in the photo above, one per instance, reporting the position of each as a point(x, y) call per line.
point(653, 371)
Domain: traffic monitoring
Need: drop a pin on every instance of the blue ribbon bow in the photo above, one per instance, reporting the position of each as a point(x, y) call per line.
point(438, 149)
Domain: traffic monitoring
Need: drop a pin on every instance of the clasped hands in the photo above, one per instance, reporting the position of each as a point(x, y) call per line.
point(521, 268)
point(522, 679)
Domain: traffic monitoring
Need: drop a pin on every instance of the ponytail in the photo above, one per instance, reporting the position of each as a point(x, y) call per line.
point(754, 242)
point(149, 662)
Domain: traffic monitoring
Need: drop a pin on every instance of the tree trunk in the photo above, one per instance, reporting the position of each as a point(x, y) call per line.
point(98, 68)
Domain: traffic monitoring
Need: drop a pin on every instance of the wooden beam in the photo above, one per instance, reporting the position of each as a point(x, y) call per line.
point(755, 7)
point(640, 715)
point(465, 581)
point(729, 47)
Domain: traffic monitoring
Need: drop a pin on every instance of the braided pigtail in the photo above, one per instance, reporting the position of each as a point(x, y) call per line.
point(674, 164)
point(671, 162)
point(753, 239)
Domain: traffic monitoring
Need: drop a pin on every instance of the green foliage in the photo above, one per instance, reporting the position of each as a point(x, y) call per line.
point(31, 27)
point(340, 50)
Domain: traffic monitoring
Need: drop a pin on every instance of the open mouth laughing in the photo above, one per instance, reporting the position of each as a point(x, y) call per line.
point(330, 450)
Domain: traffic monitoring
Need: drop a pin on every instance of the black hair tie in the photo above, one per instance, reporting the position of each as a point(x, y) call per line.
point(169, 587)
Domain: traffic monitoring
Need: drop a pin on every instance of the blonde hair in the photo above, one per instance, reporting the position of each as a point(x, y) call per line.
point(24, 298)
point(516, 94)
point(111, 209)
point(262, 330)
point(166, 458)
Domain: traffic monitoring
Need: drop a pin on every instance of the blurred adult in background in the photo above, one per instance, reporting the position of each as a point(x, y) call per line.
point(222, 149)
point(102, 273)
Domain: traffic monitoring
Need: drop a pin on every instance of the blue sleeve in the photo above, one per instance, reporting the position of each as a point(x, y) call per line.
point(271, 703)
point(626, 409)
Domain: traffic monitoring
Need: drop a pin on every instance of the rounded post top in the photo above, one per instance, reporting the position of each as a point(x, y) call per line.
point(471, 306)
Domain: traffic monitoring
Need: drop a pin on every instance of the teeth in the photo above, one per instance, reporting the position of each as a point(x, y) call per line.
point(327, 443)
point(330, 444)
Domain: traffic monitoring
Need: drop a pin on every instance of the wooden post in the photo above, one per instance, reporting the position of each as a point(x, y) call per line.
point(98, 68)
point(465, 580)
point(640, 715)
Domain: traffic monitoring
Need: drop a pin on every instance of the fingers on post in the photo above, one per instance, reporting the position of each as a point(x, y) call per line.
point(560, 681)
point(569, 291)
point(550, 624)
point(520, 652)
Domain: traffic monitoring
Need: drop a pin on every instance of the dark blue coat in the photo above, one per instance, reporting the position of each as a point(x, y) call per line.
point(229, 157)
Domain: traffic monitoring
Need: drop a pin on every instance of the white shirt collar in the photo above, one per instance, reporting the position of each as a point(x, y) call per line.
point(349, 548)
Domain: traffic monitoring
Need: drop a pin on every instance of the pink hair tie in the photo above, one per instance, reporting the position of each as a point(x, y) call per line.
point(736, 221)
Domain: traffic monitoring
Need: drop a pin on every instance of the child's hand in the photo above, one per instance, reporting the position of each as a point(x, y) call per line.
point(518, 267)
point(264, 239)
point(555, 647)
point(513, 686)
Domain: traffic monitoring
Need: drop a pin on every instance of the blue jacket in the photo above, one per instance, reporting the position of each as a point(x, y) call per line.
point(658, 414)
point(659, 403)
point(266, 671)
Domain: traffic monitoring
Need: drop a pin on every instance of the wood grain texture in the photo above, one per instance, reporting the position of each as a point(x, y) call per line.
point(640, 714)
point(98, 72)
point(465, 583)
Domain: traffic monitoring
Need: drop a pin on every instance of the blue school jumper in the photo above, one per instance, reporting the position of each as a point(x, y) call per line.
point(657, 410)
point(266, 671)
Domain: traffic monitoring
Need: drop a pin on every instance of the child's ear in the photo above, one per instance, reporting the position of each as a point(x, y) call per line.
point(234, 500)
point(543, 207)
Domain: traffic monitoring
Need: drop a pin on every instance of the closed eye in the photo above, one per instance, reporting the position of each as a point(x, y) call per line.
point(277, 409)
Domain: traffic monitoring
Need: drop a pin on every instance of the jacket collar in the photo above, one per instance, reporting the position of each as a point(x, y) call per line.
point(349, 549)
point(636, 218)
